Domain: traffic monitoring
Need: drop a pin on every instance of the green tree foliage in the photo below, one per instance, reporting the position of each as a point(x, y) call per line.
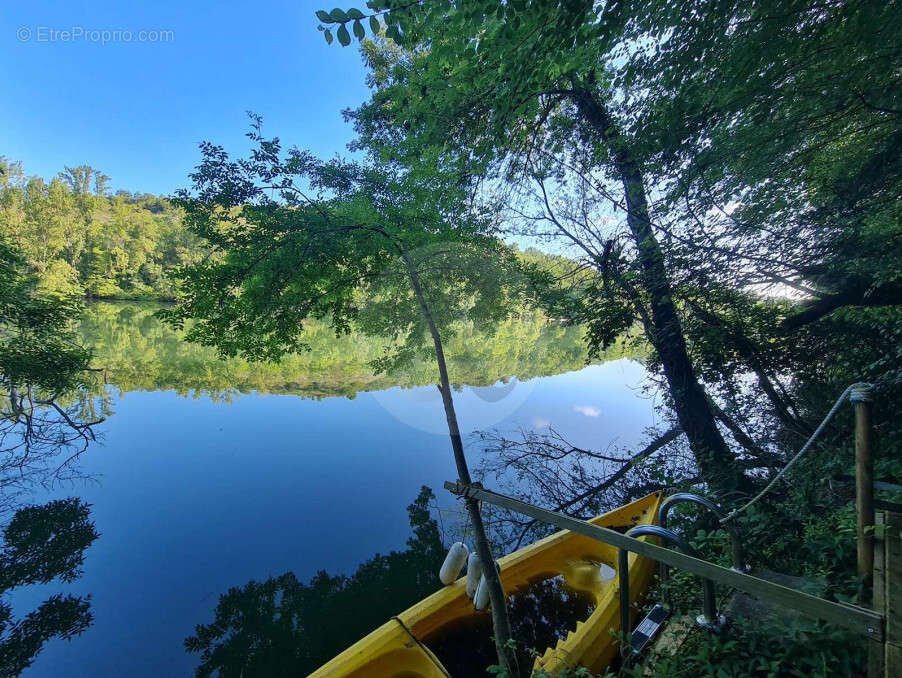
point(41, 363)
point(43, 370)
point(774, 132)
point(397, 251)
point(765, 138)
point(77, 239)
point(282, 627)
point(518, 94)
point(782, 135)
point(139, 352)
point(774, 129)
point(42, 544)
point(37, 343)
point(340, 256)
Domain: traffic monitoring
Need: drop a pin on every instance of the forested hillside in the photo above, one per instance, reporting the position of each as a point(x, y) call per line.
point(78, 238)
point(725, 178)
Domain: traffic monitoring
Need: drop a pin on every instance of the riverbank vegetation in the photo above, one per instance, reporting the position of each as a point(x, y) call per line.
point(728, 176)
point(724, 176)
point(139, 352)
point(42, 364)
point(77, 239)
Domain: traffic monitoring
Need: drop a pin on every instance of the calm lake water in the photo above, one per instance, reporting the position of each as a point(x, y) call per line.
point(213, 473)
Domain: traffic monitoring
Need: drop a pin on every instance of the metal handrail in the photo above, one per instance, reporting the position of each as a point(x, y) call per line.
point(738, 555)
point(862, 621)
point(709, 617)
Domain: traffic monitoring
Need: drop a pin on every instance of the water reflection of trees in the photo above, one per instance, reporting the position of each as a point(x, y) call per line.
point(41, 439)
point(546, 469)
point(283, 627)
point(138, 352)
point(42, 544)
point(47, 420)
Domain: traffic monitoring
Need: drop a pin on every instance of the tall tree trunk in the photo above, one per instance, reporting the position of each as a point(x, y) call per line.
point(715, 460)
point(507, 658)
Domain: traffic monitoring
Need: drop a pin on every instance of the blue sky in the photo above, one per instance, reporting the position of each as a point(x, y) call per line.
point(137, 110)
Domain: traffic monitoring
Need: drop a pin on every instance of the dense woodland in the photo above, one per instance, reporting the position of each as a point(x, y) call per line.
point(724, 176)
point(138, 352)
point(78, 239)
point(727, 176)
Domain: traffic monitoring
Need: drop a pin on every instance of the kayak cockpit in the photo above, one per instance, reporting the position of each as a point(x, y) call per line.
point(563, 596)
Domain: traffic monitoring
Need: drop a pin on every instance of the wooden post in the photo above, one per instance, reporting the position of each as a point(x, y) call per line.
point(885, 658)
point(892, 598)
point(876, 649)
point(864, 480)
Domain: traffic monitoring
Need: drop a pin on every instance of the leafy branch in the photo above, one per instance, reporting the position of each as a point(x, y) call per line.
point(390, 16)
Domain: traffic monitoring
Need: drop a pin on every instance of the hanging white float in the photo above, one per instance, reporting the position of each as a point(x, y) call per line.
point(481, 599)
point(474, 572)
point(454, 563)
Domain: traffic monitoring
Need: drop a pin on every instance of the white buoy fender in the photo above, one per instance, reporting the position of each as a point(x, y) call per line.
point(454, 563)
point(474, 572)
point(481, 599)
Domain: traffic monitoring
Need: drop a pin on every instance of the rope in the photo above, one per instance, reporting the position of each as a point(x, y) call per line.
point(861, 393)
point(462, 516)
point(466, 528)
point(438, 512)
point(857, 393)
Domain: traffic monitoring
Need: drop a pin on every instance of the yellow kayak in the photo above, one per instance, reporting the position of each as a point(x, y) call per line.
point(563, 570)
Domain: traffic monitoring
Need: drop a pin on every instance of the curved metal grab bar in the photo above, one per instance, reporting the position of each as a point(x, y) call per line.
point(709, 609)
point(738, 555)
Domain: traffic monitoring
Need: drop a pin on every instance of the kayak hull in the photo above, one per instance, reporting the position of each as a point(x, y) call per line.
point(400, 647)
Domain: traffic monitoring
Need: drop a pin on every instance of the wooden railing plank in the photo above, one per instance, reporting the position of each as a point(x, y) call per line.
point(892, 575)
point(876, 650)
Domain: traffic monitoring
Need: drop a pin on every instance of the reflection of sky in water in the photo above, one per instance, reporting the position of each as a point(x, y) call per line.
point(477, 407)
point(196, 496)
